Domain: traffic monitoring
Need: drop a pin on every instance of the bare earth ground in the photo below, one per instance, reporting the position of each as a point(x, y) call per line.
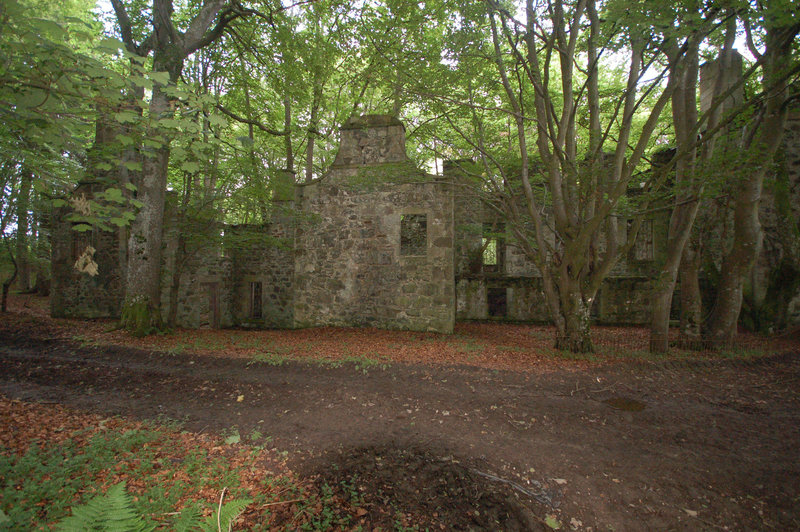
point(485, 429)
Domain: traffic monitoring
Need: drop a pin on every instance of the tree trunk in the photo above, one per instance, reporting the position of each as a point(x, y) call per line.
point(747, 235)
point(691, 299)
point(23, 206)
point(175, 285)
point(141, 311)
point(574, 335)
point(312, 128)
point(7, 283)
point(573, 327)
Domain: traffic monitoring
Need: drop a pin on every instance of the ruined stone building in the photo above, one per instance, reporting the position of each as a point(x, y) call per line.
point(374, 242)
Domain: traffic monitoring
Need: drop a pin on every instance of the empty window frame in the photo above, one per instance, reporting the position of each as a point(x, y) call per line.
point(493, 246)
point(255, 300)
point(413, 234)
point(643, 249)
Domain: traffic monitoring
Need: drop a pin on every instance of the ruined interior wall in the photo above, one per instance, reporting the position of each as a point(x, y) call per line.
point(263, 254)
point(79, 295)
point(624, 297)
point(205, 273)
point(349, 270)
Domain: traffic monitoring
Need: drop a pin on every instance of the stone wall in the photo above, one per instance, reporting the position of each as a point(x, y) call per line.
point(79, 295)
point(350, 268)
point(348, 264)
point(263, 254)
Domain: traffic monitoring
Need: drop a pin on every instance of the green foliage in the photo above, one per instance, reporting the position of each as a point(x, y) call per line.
point(65, 471)
point(224, 516)
point(269, 358)
point(112, 512)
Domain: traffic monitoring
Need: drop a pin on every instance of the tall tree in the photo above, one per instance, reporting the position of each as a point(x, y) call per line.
point(572, 150)
point(169, 47)
point(761, 141)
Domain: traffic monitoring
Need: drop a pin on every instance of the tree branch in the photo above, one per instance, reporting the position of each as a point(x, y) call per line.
point(256, 123)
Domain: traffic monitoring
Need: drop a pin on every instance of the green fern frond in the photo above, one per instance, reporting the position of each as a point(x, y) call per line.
point(188, 520)
point(230, 511)
point(113, 511)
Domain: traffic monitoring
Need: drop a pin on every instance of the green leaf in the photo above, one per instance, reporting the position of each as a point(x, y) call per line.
point(217, 120)
point(131, 187)
point(133, 166)
point(54, 29)
point(169, 122)
point(113, 510)
point(125, 117)
point(190, 166)
point(160, 77)
point(233, 439)
point(115, 195)
point(81, 228)
point(59, 203)
point(125, 140)
point(111, 44)
point(119, 222)
point(552, 522)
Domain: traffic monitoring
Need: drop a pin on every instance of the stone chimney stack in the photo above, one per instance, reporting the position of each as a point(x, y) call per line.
point(371, 139)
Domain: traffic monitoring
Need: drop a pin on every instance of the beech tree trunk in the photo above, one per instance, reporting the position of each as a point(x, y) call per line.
point(764, 140)
point(141, 310)
point(170, 47)
point(691, 299)
point(23, 206)
point(573, 329)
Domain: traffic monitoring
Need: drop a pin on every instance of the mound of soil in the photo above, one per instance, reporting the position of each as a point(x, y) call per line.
point(395, 484)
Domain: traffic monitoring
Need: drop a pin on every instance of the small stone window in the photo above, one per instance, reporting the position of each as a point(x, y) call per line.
point(643, 249)
point(493, 246)
point(255, 300)
point(413, 234)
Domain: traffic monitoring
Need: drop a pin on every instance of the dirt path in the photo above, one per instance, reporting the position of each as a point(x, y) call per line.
point(625, 446)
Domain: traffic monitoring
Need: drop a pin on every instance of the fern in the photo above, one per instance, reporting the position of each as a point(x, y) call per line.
point(227, 515)
point(188, 520)
point(113, 511)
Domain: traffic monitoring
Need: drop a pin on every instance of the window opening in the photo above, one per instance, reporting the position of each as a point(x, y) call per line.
point(493, 247)
point(255, 300)
point(497, 302)
point(643, 248)
point(413, 234)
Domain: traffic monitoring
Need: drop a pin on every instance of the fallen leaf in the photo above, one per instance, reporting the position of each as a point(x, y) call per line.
point(240, 399)
point(690, 513)
point(552, 522)
point(559, 481)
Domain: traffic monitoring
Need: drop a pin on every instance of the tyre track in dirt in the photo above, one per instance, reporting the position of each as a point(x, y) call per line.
point(715, 445)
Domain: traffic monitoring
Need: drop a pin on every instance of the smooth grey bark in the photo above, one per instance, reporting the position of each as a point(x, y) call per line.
point(763, 140)
point(688, 184)
point(23, 262)
point(170, 47)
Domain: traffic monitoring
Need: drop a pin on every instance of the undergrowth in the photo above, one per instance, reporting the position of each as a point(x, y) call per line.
point(165, 479)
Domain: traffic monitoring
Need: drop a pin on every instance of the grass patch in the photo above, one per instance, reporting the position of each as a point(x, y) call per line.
point(269, 358)
point(361, 363)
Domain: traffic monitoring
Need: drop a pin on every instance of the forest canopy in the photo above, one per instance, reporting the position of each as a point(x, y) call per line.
point(562, 105)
